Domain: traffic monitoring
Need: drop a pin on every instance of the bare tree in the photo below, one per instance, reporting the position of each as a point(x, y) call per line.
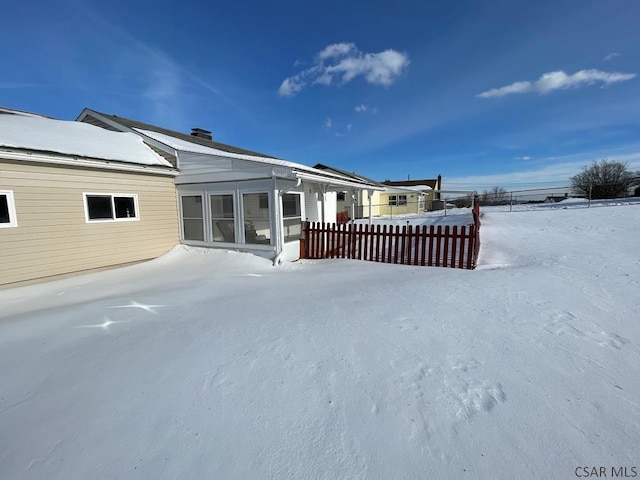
point(494, 196)
point(603, 179)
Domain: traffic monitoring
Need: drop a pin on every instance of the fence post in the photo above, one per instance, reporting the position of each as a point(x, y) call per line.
point(590, 191)
point(303, 238)
point(511, 203)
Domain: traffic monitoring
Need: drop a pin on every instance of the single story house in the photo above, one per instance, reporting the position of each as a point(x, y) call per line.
point(233, 198)
point(412, 196)
point(74, 197)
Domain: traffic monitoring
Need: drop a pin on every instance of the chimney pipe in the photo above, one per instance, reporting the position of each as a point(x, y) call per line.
point(201, 133)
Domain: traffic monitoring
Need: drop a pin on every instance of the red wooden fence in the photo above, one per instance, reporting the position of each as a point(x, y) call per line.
point(455, 247)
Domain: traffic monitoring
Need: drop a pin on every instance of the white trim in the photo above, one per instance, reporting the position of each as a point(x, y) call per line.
point(113, 207)
point(335, 181)
point(11, 205)
point(85, 162)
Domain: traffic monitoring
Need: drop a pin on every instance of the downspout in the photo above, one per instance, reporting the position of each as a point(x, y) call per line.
point(323, 190)
point(353, 204)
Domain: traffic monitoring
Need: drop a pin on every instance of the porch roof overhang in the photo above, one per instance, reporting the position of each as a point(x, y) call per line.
point(209, 162)
point(334, 183)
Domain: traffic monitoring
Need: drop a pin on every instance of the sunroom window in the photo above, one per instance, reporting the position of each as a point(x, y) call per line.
point(292, 216)
point(111, 207)
point(222, 218)
point(192, 217)
point(257, 222)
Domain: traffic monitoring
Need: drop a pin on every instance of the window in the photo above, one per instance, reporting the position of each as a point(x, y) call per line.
point(257, 223)
point(192, 217)
point(105, 207)
point(292, 216)
point(341, 196)
point(397, 199)
point(222, 218)
point(7, 210)
point(264, 201)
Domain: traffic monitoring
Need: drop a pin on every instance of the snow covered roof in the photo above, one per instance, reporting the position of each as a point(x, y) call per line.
point(186, 146)
point(75, 138)
point(416, 188)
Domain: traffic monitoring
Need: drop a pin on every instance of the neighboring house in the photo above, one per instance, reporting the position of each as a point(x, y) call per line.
point(234, 198)
point(74, 197)
point(414, 195)
point(556, 198)
point(405, 200)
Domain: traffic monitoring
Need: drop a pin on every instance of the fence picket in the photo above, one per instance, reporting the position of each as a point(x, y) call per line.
point(445, 254)
point(454, 246)
point(470, 239)
point(463, 242)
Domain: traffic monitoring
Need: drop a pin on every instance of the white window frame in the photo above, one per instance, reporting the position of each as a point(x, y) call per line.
point(232, 193)
point(272, 227)
point(402, 200)
point(113, 207)
point(393, 199)
point(284, 217)
point(205, 210)
point(11, 204)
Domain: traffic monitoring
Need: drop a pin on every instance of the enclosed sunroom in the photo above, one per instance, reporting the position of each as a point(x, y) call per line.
point(263, 214)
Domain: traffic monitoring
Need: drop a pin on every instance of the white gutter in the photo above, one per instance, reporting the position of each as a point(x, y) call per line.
point(87, 163)
point(336, 181)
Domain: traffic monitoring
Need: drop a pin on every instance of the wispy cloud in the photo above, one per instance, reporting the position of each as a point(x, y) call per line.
point(361, 108)
point(349, 126)
point(525, 158)
point(328, 123)
point(559, 80)
point(342, 62)
point(611, 56)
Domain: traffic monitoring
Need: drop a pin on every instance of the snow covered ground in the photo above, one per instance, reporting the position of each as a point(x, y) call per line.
point(212, 364)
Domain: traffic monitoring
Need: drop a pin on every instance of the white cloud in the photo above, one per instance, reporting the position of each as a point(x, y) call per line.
point(337, 50)
point(361, 108)
point(328, 123)
point(349, 127)
point(523, 158)
point(342, 62)
point(611, 56)
point(559, 80)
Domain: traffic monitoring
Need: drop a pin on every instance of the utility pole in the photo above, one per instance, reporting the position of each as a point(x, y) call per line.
point(590, 190)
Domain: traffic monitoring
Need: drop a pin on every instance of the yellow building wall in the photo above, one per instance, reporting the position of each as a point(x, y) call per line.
point(413, 205)
point(53, 238)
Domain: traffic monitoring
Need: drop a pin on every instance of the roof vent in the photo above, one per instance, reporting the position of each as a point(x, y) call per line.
point(201, 133)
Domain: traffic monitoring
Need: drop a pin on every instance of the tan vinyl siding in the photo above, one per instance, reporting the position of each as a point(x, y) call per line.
point(53, 238)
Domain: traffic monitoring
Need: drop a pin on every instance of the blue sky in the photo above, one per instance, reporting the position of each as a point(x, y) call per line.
point(509, 93)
